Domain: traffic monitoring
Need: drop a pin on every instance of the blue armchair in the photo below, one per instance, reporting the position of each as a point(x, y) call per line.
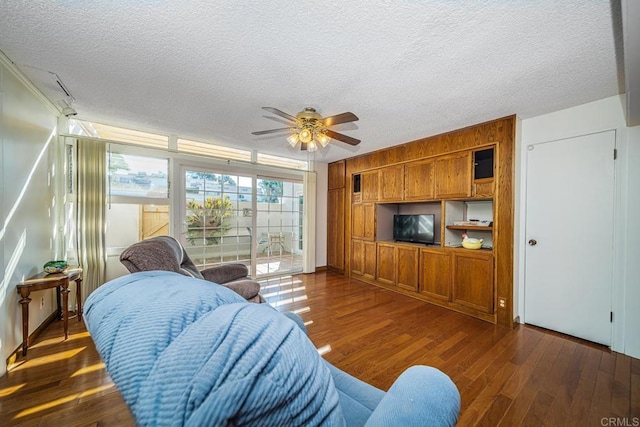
point(185, 352)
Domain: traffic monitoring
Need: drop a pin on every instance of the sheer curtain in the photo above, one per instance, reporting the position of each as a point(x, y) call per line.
point(91, 200)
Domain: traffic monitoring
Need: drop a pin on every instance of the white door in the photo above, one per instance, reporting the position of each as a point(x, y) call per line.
point(569, 236)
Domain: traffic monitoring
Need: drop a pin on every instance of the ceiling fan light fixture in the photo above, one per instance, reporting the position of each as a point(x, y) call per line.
point(293, 139)
point(322, 138)
point(306, 135)
point(312, 146)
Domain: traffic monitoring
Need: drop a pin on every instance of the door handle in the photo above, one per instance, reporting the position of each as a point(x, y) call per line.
point(533, 242)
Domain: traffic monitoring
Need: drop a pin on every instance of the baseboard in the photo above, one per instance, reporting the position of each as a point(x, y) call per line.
point(17, 353)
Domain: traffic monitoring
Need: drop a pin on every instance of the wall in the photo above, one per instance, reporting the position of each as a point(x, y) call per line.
point(605, 114)
point(632, 249)
point(27, 177)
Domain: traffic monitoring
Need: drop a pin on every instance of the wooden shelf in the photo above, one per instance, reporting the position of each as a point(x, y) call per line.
point(469, 227)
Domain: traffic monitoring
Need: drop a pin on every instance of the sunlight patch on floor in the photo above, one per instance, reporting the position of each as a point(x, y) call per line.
point(10, 390)
point(62, 400)
point(289, 301)
point(299, 311)
point(283, 291)
point(88, 369)
point(56, 357)
point(57, 340)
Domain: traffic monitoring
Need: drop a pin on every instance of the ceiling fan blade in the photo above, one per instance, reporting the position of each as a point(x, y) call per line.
point(342, 137)
point(280, 113)
point(338, 119)
point(264, 132)
point(303, 146)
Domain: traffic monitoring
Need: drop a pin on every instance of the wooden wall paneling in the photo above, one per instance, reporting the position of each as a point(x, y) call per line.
point(435, 274)
point(336, 174)
point(503, 206)
point(407, 267)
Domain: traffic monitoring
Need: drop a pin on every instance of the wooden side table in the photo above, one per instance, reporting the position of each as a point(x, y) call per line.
point(43, 281)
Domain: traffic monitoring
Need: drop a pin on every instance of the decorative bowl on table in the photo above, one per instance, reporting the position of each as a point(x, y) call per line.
point(472, 243)
point(55, 266)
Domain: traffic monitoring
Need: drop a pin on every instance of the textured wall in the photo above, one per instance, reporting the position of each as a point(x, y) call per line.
point(27, 169)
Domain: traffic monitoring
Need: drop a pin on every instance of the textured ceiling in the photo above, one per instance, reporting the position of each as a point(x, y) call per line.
point(407, 68)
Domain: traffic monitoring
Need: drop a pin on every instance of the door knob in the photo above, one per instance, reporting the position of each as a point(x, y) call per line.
point(533, 242)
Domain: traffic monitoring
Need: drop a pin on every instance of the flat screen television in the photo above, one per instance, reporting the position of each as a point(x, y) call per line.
point(414, 228)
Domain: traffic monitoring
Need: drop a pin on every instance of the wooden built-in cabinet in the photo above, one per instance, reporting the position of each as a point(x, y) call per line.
point(391, 183)
point(335, 233)
point(386, 263)
point(357, 257)
point(363, 258)
point(336, 199)
point(370, 260)
point(407, 267)
point(363, 222)
point(419, 181)
point(370, 186)
point(472, 279)
point(455, 177)
point(435, 276)
point(336, 172)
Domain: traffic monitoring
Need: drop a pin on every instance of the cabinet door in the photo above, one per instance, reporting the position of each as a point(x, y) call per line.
point(473, 280)
point(369, 260)
point(407, 270)
point(435, 274)
point(336, 175)
point(419, 180)
point(357, 257)
point(363, 221)
point(335, 228)
point(453, 175)
point(369, 186)
point(357, 221)
point(369, 218)
point(386, 271)
point(392, 183)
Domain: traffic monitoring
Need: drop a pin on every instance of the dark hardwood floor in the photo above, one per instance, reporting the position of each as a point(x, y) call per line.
point(524, 376)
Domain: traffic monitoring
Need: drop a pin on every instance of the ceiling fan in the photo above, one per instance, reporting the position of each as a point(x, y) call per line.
point(310, 128)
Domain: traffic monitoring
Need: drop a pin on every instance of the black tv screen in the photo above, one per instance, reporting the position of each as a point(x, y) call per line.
point(413, 228)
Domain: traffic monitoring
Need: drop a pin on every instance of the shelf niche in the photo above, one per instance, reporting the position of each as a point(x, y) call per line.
point(481, 210)
point(386, 211)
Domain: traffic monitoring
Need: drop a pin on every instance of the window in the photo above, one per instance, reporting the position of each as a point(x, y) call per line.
point(206, 149)
point(137, 176)
point(114, 133)
point(283, 162)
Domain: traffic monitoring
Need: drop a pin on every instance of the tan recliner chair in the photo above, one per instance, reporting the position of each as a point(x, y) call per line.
point(167, 254)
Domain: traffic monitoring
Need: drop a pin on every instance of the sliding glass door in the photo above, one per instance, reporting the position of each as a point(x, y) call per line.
point(278, 226)
point(217, 217)
point(234, 218)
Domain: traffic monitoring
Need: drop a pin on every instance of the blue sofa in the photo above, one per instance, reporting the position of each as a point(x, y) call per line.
point(184, 351)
